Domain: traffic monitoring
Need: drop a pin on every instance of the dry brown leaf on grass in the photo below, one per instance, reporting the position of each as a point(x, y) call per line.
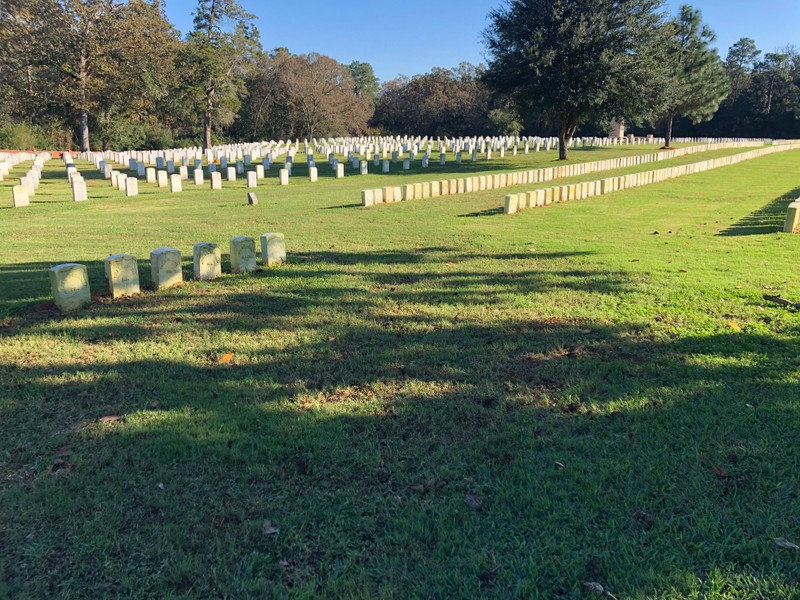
point(721, 473)
point(786, 544)
point(110, 419)
point(268, 528)
point(734, 326)
point(226, 358)
point(473, 501)
point(429, 486)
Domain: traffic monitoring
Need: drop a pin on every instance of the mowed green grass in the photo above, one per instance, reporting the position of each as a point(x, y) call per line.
point(431, 399)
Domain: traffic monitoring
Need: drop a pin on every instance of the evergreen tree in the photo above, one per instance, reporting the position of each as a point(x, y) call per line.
point(698, 81)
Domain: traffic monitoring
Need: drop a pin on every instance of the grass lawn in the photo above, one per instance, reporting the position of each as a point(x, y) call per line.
point(431, 400)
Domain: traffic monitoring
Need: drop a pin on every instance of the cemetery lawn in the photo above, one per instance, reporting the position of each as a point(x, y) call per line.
point(432, 399)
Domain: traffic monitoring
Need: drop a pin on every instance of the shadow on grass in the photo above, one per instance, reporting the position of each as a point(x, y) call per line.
point(365, 438)
point(489, 212)
point(361, 444)
point(767, 219)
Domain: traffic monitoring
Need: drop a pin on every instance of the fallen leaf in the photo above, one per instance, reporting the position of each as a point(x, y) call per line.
point(593, 588)
point(586, 331)
point(786, 544)
point(283, 563)
point(268, 528)
point(226, 358)
point(160, 486)
point(682, 271)
point(721, 473)
point(560, 465)
point(449, 264)
point(63, 451)
point(110, 419)
point(734, 326)
point(473, 501)
point(429, 486)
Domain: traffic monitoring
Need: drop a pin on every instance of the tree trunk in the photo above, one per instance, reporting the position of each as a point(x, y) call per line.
point(83, 131)
point(83, 83)
point(207, 118)
point(668, 137)
point(206, 130)
point(565, 134)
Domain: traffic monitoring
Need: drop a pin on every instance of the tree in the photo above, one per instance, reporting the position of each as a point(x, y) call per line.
point(303, 96)
point(442, 102)
point(740, 62)
point(366, 84)
point(698, 81)
point(76, 59)
point(216, 60)
point(578, 60)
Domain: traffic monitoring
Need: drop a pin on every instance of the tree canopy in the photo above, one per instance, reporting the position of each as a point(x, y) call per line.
point(578, 60)
point(698, 81)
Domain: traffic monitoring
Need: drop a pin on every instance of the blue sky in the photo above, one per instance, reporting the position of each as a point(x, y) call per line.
point(412, 36)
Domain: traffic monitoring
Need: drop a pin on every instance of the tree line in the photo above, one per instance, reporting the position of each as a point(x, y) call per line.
point(105, 74)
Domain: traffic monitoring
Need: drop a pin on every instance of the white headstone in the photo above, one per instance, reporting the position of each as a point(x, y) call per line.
point(79, 193)
point(273, 249)
point(122, 275)
point(207, 261)
point(165, 265)
point(69, 284)
point(19, 196)
point(243, 254)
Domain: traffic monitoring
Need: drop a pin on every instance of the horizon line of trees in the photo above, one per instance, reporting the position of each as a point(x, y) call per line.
point(105, 74)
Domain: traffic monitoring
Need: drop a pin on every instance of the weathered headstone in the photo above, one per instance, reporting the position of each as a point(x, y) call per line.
point(312, 174)
point(69, 284)
point(283, 174)
point(165, 266)
point(243, 254)
point(273, 249)
point(175, 184)
point(79, 193)
point(216, 180)
point(19, 196)
point(207, 261)
point(163, 179)
point(252, 180)
point(131, 187)
point(252, 199)
point(122, 275)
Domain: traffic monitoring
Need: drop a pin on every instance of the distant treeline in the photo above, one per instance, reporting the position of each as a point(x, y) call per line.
point(105, 74)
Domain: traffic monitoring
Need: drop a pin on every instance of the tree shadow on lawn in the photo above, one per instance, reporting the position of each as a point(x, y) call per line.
point(25, 283)
point(767, 219)
point(363, 449)
point(416, 452)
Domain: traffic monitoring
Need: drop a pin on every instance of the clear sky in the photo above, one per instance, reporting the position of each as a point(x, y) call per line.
point(412, 36)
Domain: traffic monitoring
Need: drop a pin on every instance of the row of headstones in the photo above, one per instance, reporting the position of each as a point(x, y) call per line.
point(366, 147)
point(69, 282)
point(29, 183)
point(9, 160)
point(577, 191)
point(501, 180)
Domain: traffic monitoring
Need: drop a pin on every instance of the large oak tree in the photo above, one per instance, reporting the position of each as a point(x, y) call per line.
point(578, 61)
